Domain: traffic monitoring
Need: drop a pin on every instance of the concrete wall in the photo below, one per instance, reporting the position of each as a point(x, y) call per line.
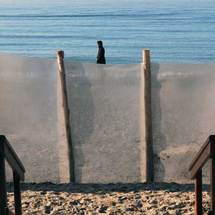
point(183, 104)
point(104, 102)
point(31, 116)
point(107, 118)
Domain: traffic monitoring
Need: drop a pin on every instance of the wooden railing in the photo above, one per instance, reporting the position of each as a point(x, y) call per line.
point(206, 152)
point(7, 153)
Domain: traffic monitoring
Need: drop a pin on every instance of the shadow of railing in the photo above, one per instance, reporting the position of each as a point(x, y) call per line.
point(206, 152)
point(7, 153)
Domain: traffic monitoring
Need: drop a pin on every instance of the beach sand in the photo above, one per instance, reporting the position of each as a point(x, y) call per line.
point(152, 199)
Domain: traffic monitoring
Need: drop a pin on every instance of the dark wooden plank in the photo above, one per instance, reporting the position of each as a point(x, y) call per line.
point(202, 156)
point(10, 150)
point(198, 193)
point(207, 151)
point(212, 191)
point(199, 163)
point(211, 139)
point(12, 158)
point(17, 194)
point(3, 192)
point(14, 165)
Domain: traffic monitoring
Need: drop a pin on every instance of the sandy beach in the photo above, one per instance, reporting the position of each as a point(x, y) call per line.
point(153, 199)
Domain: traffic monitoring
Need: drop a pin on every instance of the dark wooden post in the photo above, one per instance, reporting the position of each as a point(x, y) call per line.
point(3, 191)
point(17, 194)
point(148, 116)
point(212, 193)
point(61, 69)
point(198, 193)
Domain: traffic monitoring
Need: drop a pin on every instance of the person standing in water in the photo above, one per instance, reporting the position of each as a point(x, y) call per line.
point(101, 53)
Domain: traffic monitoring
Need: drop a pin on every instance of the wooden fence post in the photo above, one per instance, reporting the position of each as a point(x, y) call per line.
point(148, 116)
point(212, 178)
point(198, 193)
point(17, 194)
point(61, 69)
point(3, 192)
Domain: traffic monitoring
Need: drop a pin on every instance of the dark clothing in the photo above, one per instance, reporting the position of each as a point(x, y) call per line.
point(101, 56)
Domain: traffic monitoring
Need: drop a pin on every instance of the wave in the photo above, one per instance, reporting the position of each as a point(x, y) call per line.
point(111, 14)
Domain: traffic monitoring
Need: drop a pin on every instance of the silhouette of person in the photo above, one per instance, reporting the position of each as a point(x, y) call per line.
point(101, 53)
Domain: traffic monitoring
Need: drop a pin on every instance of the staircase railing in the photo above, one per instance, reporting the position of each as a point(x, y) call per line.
point(206, 152)
point(7, 153)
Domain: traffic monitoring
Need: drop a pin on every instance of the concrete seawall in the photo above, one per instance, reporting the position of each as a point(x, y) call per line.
point(30, 116)
point(104, 103)
point(183, 105)
point(107, 119)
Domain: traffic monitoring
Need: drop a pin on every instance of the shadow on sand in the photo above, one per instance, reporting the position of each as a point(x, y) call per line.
point(107, 188)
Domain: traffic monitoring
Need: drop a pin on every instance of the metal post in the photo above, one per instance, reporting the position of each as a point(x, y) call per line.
point(3, 192)
point(148, 116)
point(17, 194)
point(198, 193)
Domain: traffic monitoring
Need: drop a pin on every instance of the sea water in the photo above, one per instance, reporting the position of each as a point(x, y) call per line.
point(181, 33)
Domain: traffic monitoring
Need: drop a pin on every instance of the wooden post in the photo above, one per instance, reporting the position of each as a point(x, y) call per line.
point(3, 192)
point(17, 194)
point(198, 193)
point(148, 116)
point(212, 176)
point(61, 69)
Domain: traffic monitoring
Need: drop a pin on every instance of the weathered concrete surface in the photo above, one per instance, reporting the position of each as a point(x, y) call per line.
point(30, 116)
point(104, 102)
point(107, 119)
point(183, 104)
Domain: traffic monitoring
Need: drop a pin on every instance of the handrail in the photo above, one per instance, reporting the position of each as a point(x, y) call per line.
point(206, 152)
point(12, 158)
point(7, 153)
point(202, 156)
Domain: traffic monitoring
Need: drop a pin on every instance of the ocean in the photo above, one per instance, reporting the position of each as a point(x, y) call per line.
point(174, 33)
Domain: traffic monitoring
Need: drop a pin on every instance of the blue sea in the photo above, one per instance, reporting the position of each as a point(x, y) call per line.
point(174, 32)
